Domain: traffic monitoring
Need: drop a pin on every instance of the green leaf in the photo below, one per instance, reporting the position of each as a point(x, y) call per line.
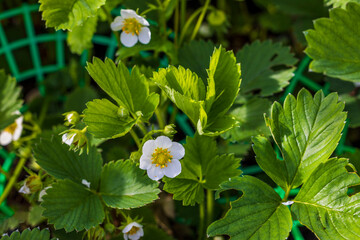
point(28, 234)
point(124, 185)
point(9, 102)
point(76, 100)
point(195, 55)
point(128, 90)
point(202, 169)
point(333, 45)
point(72, 206)
point(251, 120)
point(323, 204)
point(257, 63)
point(68, 14)
point(258, 214)
point(103, 120)
point(339, 3)
point(55, 158)
point(79, 39)
point(306, 130)
point(35, 216)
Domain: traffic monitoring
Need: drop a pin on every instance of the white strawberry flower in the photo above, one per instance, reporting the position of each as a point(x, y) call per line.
point(134, 28)
point(161, 157)
point(133, 231)
point(24, 189)
point(12, 132)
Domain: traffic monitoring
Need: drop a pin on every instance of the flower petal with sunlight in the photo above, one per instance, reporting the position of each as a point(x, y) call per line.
point(133, 231)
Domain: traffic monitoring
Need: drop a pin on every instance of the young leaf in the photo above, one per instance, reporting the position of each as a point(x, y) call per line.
point(55, 158)
point(9, 101)
point(72, 206)
point(306, 130)
point(27, 234)
point(104, 121)
point(68, 14)
point(79, 39)
point(124, 185)
point(323, 204)
point(333, 45)
point(339, 3)
point(202, 169)
point(257, 214)
point(257, 62)
point(128, 90)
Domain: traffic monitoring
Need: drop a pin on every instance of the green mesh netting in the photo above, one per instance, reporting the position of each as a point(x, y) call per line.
point(39, 71)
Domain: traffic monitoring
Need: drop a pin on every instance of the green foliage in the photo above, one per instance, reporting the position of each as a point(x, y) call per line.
point(339, 3)
point(28, 234)
point(69, 14)
point(333, 44)
point(124, 185)
point(258, 214)
point(257, 62)
point(76, 100)
point(79, 39)
point(323, 204)
point(130, 91)
point(202, 169)
point(152, 232)
point(205, 106)
point(299, 128)
point(9, 102)
point(72, 206)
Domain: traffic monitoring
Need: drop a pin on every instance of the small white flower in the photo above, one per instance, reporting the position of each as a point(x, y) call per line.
point(67, 140)
point(86, 183)
point(133, 231)
point(287, 203)
point(133, 26)
point(42, 193)
point(24, 189)
point(12, 132)
point(161, 157)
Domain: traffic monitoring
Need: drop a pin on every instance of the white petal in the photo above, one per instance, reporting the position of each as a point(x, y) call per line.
point(125, 236)
point(141, 232)
point(128, 39)
point(142, 21)
point(128, 13)
point(117, 24)
point(86, 183)
point(144, 35)
point(19, 120)
point(5, 138)
point(43, 192)
point(177, 150)
point(145, 162)
point(163, 142)
point(130, 225)
point(17, 132)
point(66, 140)
point(357, 84)
point(24, 189)
point(155, 173)
point(148, 148)
point(173, 169)
point(135, 236)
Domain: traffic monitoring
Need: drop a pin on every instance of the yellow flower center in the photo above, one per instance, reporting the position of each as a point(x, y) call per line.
point(133, 230)
point(131, 25)
point(161, 157)
point(11, 128)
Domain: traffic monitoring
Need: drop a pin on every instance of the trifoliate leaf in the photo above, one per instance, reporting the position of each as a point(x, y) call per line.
point(195, 55)
point(68, 14)
point(124, 185)
point(323, 204)
point(9, 101)
point(27, 234)
point(72, 206)
point(202, 169)
point(104, 121)
point(257, 62)
point(128, 90)
point(306, 130)
point(55, 158)
point(251, 120)
point(257, 214)
point(79, 39)
point(333, 45)
point(339, 3)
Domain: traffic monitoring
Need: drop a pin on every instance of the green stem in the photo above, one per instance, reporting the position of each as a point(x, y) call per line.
point(13, 179)
point(43, 112)
point(287, 194)
point(182, 13)
point(162, 20)
point(173, 115)
point(202, 220)
point(110, 20)
point(176, 23)
point(200, 20)
point(136, 138)
point(187, 25)
point(209, 206)
point(160, 118)
point(142, 128)
point(7, 175)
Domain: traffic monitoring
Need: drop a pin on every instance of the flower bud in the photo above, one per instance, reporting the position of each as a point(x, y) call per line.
point(34, 183)
point(109, 227)
point(169, 130)
point(71, 118)
point(123, 112)
point(76, 139)
point(96, 233)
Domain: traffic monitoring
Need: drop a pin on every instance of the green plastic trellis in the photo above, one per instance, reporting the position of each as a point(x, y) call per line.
point(39, 71)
